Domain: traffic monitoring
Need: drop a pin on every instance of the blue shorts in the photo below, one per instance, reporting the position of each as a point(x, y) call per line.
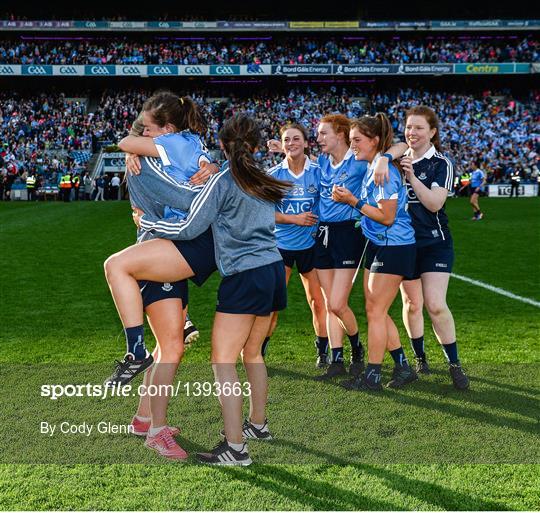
point(339, 245)
point(304, 258)
point(153, 291)
point(258, 291)
point(200, 255)
point(435, 258)
point(398, 260)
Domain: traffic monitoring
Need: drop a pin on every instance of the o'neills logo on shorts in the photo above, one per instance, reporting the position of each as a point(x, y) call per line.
point(349, 262)
point(441, 265)
point(377, 264)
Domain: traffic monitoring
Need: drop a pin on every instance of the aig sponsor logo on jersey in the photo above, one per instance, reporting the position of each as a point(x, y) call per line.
point(296, 207)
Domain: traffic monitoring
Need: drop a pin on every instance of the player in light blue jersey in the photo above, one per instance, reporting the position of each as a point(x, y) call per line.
point(478, 180)
point(296, 226)
point(390, 254)
point(171, 122)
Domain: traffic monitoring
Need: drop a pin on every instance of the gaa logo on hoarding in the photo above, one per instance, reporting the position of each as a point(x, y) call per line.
point(131, 70)
point(99, 70)
point(7, 70)
point(193, 70)
point(116, 163)
point(90, 24)
point(225, 70)
point(161, 70)
point(254, 68)
point(68, 70)
point(36, 70)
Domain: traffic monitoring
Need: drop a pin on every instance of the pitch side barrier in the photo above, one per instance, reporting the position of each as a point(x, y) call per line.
point(268, 26)
point(290, 70)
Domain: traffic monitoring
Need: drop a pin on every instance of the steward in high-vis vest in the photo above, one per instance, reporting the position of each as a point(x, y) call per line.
point(31, 186)
point(76, 181)
point(65, 186)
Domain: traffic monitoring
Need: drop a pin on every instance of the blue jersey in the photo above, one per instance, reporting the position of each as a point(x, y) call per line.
point(302, 197)
point(181, 154)
point(401, 231)
point(477, 178)
point(348, 173)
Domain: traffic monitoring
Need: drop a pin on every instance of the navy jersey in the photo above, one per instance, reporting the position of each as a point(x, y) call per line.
point(433, 169)
point(181, 154)
point(400, 232)
point(348, 173)
point(302, 197)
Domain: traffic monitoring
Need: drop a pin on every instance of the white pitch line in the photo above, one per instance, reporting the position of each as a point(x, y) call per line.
point(497, 290)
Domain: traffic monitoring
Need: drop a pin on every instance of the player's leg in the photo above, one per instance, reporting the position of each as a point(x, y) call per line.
point(435, 286)
point(317, 304)
point(274, 318)
point(256, 426)
point(413, 319)
point(167, 322)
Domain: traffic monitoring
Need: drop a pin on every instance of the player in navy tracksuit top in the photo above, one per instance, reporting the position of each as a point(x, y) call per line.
point(296, 227)
point(238, 204)
point(430, 176)
point(390, 252)
point(181, 152)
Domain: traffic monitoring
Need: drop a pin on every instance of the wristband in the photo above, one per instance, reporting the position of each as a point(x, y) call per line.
point(388, 156)
point(359, 204)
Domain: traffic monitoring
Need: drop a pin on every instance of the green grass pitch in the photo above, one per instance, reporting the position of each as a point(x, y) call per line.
point(427, 447)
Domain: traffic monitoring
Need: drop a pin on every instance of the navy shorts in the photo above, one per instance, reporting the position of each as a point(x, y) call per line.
point(153, 291)
point(435, 258)
point(258, 291)
point(398, 260)
point(304, 258)
point(200, 255)
point(339, 245)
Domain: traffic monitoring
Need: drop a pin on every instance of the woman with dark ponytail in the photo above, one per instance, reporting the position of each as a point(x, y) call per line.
point(390, 250)
point(238, 204)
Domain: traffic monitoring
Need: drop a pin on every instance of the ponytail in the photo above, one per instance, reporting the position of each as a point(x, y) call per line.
point(240, 136)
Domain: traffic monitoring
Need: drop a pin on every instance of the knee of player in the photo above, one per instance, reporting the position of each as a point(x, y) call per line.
point(252, 355)
point(339, 306)
point(435, 307)
point(412, 306)
point(374, 310)
point(112, 264)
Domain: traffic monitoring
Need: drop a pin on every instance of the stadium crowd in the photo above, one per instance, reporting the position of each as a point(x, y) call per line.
point(271, 50)
point(50, 135)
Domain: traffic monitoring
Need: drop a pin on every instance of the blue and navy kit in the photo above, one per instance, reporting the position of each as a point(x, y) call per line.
point(433, 169)
point(302, 197)
point(181, 154)
point(348, 173)
point(401, 231)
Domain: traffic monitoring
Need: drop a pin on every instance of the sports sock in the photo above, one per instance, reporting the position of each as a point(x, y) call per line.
point(153, 431)
point(399, 357)
point(354, 340)
point(450, 351)
point(135, 341)
point(264, 346)
point(337, 354)
point(372, 374)
point(322, 345)
point(236, 447)
point(417, 345)
point(143, 419)
point(258, 426)
point(187, 316)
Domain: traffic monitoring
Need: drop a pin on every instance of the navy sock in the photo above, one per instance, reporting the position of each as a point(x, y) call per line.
point(354, 340)
point(372, 374)
point(417, 345)
point(337, 354)
point(135, 341)
point(399, 357)
point(264, 347)
point(322, 345)
point(450, 350)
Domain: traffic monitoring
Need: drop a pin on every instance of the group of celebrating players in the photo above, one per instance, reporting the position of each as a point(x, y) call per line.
point(364, 202)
